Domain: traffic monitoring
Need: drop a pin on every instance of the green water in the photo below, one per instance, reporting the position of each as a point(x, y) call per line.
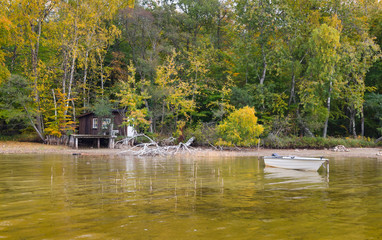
point(87, 197)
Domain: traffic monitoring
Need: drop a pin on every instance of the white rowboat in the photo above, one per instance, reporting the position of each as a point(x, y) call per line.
point(296, 163)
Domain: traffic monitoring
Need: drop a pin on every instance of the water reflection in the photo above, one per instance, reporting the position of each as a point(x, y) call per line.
point(69, 197)
point(284, 177)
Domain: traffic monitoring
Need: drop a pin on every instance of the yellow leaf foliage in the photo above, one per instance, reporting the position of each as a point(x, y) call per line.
point(240, 128)
point(59, 123)
point(132, 95)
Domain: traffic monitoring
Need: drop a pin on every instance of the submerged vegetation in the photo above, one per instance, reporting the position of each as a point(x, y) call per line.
point(310, 69)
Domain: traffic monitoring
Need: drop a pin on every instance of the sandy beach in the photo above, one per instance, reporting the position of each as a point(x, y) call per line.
point(10, 147)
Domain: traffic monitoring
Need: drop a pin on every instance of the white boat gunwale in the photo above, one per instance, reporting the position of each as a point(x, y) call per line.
point(296, 163)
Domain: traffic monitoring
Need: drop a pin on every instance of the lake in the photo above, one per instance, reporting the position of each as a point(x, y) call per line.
point(98, 197)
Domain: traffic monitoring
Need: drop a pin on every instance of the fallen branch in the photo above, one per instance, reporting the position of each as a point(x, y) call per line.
point(340, 148)
point(153, 148)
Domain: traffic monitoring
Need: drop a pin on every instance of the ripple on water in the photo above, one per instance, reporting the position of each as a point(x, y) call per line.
point(69, 197)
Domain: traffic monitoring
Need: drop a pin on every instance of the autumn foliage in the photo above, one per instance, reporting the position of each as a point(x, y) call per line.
point(309, 68)
point(240, 128)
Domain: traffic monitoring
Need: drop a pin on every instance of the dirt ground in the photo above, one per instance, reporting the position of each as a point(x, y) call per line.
point(9, 147)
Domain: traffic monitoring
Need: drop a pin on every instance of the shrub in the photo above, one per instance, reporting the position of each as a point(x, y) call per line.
point(240, 129)
point(204, 133)
point(272, 141)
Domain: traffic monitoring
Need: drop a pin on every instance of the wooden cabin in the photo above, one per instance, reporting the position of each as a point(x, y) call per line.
point(91, 124)
point(100, 128)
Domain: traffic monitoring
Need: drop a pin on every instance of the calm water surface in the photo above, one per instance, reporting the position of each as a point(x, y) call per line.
point(87, 197)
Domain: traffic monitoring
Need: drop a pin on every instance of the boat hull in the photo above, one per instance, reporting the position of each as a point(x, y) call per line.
point(296, 163)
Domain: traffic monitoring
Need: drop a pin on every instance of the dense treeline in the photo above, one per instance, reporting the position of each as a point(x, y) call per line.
point(177, 67)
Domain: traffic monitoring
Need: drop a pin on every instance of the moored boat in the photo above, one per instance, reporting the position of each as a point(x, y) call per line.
point(296, 163)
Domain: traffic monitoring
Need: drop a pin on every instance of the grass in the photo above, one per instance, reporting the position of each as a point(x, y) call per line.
point(271, 141)
point(315, 143)
point(25, 137)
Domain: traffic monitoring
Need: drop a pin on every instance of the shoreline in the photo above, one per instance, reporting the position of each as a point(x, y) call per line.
point(11, 147)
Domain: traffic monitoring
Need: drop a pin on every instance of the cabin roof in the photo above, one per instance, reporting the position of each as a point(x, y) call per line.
point(89, 113)
point(85, 114)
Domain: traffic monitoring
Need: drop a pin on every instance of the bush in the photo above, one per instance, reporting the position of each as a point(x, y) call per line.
point(240, 129)
point(272, 141)
point(204, 133)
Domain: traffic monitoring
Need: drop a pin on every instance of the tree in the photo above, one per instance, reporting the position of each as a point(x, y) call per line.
point(85, 32)
point(5, 27)
point(197, 15)
point(31, 18)
point(358, 57)
point(140, 31)
point(175, 94)
point(240, 128)
point(132, 96)
point(16, 103)
point(322, 72)
point(59, 124)
point(257, 29)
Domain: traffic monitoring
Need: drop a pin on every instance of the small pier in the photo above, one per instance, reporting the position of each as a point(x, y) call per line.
point(74, 139)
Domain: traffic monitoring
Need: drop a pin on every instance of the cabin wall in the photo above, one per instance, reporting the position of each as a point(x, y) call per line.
point(118, 120)
point(86, 124)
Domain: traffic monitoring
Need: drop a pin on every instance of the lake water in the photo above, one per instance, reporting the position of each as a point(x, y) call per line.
point(88, 197)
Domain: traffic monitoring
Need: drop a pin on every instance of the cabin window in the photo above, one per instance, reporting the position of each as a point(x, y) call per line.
point(105, 123)
point(95, 123)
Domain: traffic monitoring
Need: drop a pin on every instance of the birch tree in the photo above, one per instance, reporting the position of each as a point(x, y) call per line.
point(323, 70)
point(176, 94)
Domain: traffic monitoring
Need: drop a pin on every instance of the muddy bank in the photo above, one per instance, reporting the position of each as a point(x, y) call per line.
point(10, 147)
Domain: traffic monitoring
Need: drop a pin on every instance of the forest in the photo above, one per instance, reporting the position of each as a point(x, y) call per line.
point(300, 68)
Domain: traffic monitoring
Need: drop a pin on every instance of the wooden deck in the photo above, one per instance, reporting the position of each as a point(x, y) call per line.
point(74, 139)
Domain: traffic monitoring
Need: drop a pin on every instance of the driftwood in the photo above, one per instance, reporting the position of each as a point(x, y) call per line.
point(340, 148)
point(378, 140)
point(167, 141)
point(54, 140)
point(152, 148)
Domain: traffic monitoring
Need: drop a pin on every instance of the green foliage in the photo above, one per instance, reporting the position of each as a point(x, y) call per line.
point(175, 93)
point(373, 107)
point(241, 97)
point(293, 142)
point(303, 65)
point(59, 123)
point(240, 128)
point(15, 100)
point(205, 134)
point(103, 107)
point(5, 27)
point(132, 96)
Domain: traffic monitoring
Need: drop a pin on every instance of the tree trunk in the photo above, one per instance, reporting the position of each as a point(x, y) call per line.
point(74, 57)
point(150, 115)
point(65, 75)
point(34, 62)
point(292, 90)
point(378, 140)
point(101, 62)
point(85, 76)
point(362, 123)
point(71, 77)
point(162, 121)
point(40, 134)
point(328, 108)
point(55, 105)
point(352, 119)
point(74, 110)
point(262, 79)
